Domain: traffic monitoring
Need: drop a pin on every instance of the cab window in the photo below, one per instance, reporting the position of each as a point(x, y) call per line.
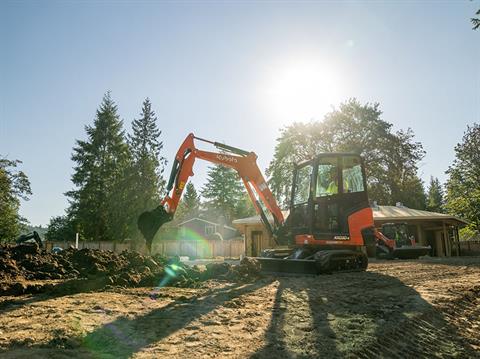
point(327, 177)
point(302, 184)
point(352, 175)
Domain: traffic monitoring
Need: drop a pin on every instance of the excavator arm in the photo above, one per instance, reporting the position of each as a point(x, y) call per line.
point(244, 162)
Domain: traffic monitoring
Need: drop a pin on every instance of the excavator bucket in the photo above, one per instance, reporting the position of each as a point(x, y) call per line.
point(149, 223)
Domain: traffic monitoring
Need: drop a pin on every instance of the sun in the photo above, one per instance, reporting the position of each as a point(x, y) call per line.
point(302, 91)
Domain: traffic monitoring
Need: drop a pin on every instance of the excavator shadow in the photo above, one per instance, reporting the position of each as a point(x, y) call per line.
point(357, 315)
point(124, 335)
point(68, 287)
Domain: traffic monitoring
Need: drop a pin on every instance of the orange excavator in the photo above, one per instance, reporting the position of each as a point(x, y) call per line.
point(330, 223)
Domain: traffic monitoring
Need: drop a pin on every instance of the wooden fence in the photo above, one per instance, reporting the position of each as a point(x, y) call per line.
point(103, 245)
point(470, 248)
point(232, 248)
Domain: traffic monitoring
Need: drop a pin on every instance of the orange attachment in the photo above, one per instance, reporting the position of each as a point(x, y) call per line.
point(245, 165)
point(357, 222)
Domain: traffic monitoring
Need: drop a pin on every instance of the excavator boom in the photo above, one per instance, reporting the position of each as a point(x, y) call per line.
point(244, 162)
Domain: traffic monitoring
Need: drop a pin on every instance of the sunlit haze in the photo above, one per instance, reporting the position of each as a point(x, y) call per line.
point(300, 89)
point(234, 72)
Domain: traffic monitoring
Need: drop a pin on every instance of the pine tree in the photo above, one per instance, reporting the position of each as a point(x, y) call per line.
point(146, 149)
point(146, 181)
point(476, 21)
point(61, 228)
point(14, 185)
point(99, 202)
point(189, 206)
point(223, 193)
point(244, 207)
point(191, 200)
point(435, 200)
point(463, 185)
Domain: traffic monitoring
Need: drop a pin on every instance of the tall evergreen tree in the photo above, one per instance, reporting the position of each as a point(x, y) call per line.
point(61, 228)
point(476, 21)
point(223, 193)
point(435, 200)
point(14, 185)
point(189, 206)
point(146, 174)
point(391, 158)
point(463, 185)
point(191, 199)
point(244, 208)
point(146, 148)
point(98, 202)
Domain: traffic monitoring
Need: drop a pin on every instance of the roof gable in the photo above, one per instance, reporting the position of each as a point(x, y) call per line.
point(204, 220)
point(380, 213)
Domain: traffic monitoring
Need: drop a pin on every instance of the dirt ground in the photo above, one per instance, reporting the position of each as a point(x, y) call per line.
point(398, 309)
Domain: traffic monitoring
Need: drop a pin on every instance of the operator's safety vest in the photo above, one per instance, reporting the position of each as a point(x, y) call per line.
point(333, 188)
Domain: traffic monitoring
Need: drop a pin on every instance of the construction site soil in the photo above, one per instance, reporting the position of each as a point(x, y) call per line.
point(93, 304)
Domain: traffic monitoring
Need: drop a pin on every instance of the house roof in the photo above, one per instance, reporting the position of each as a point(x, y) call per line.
point(204, 220)
point(380, 213)
point(400, 213)
point(256, 219)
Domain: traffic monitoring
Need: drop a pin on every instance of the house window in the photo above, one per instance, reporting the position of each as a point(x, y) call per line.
point(209, 229)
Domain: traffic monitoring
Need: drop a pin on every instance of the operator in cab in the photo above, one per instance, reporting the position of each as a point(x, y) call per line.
point(333, 185)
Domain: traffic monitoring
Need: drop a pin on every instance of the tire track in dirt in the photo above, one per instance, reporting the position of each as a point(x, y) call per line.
point(397, 309)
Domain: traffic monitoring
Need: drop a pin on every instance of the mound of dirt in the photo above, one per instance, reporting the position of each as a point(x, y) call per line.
point(247, 270)
point(72, 270)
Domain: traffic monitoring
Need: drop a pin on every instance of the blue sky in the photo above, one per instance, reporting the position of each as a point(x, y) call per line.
point(234, 72)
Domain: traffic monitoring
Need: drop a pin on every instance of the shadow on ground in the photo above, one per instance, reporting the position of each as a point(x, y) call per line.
point(333, 316)
point(123, 337)
point(357, 315)
point(51, 291)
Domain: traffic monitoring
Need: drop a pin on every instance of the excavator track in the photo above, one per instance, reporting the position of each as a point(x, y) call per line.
point(322, 262)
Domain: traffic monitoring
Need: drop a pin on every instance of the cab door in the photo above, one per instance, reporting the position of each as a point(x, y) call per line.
point(301, 200)
point(327, 199)
point(339, 191)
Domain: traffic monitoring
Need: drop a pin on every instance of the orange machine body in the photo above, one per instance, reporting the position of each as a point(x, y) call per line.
point(357, 222)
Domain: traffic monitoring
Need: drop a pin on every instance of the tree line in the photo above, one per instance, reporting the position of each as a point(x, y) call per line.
point(117, 175)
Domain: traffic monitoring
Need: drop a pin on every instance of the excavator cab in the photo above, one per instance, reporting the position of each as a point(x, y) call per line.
point(326, 191)
point(330, 220)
